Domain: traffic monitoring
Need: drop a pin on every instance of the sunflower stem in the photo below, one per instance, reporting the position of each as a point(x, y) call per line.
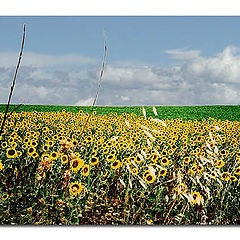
point(14, 81)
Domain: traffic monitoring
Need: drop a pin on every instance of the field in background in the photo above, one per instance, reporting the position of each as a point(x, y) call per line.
point(223, 112)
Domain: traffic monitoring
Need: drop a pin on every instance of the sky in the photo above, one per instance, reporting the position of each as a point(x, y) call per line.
point(150, 60)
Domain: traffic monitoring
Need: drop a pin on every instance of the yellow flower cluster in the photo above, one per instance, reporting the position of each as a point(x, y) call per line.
point(144, 150)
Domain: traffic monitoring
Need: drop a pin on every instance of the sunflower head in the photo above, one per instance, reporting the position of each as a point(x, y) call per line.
point(225, 176)
point(85, 170)
point(186, 160)
point(5, 196)
point(94, 161)
point(35, 155)
point(53, 155)
point(220, 163)
point(134, 171)
point(75, 188)
point(181, 188)
point(163, 172)
point(111, 157)
point(115, 164)
point(4, 144)
point(64, 159)
point(197, 198)
point(31, 150)
point(137, 159)
point(45, 147)
point(76, 164)
point(165, 161)
point(150, 178)
point(237, 171)
point(233, 178)
point(11, 153)
point(193, 169)
point(1, 166)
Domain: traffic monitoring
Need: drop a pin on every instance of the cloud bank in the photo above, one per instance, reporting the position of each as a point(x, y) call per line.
point(196, 80)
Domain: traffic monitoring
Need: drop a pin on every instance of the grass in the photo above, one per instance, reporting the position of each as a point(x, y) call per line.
point(223, 112)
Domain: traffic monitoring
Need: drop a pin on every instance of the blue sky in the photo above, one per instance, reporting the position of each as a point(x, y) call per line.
point(163, 56)
point(141, 39)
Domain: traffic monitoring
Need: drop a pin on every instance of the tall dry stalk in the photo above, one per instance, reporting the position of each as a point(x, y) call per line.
point(94, 102)
point(14, 81)
point(98, 88)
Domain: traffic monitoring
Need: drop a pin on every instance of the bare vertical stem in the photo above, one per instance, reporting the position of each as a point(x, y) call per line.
point(14, 81)
point(98, 88)
point(95, 99)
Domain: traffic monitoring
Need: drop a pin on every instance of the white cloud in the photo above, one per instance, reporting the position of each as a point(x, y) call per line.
point(197, 80)
point(183, 54)
point(125, 98)
point(8, 59)
point(85, 102)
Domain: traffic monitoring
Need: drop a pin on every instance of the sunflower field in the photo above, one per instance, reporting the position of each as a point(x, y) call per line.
point(69, 168)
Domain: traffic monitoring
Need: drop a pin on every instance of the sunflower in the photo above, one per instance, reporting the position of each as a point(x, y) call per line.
point(163, 172)
point(1, 166)
point(19, 153)
point(154, 157)
point(220, 163)
point(31, 150)
point(137, 159)
point(165, 161)
point(148, 156)
point(76, 164)
point(225, 176)
point(134, 171)
point(50, 143)
point(53, 155)
point(237, 171)
point(5, 196)
point(193, 169)
point(64, 159)
point(55, 137)
point(111, 158)
point(34, 143)
point(196, 198)
point(224, 152)
point(44, 157)
point(185, 148)
point(113, 152)
point(116, 164)
point(45, 129)
point(74, 143)
point(45, 148)
point(4, 144)
point(200, 168)
point(89, 139)
point(164, 153)
point(94, 153)
point(150, 178)
point(85, 170)
point(233, 178)
point(181, 188)
point(75, 188)
point(186, 160)
point(13, 144)
point(94, 161)
point(11, 153)
point(24, 146)
point(105, 150)
point(35, 155)
point(146, 173)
